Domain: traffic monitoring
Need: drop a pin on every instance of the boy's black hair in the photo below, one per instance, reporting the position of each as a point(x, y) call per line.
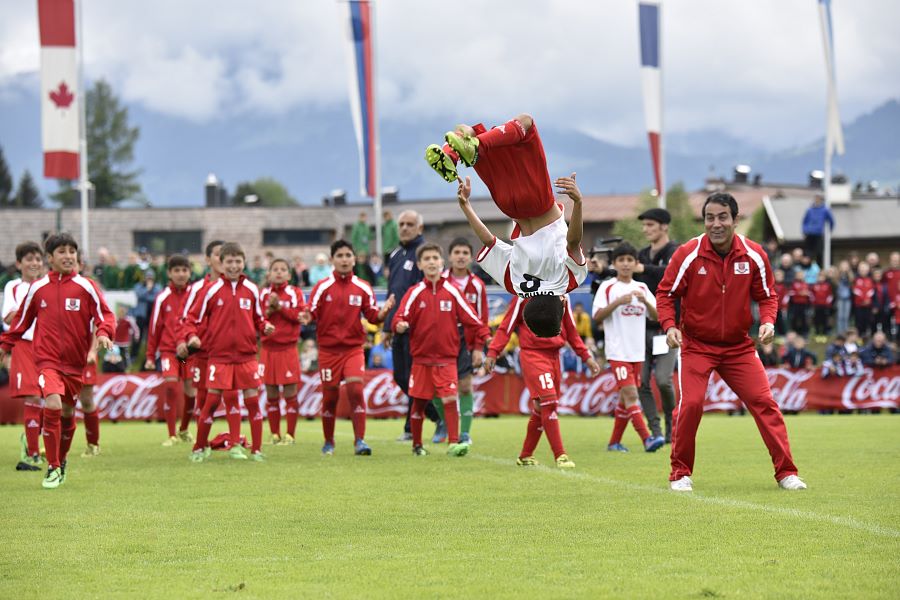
point(460, 241)
point(26, 248)
point(426, 247)
point(212, 246)
point(55, 240)
point(543, 315)
point(338, 244)
point(178, 260)
point(723, 199)
point(232, 249)
point(279, 260)
point(623, 249)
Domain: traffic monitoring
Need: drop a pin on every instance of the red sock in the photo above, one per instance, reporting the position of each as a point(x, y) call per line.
point(507, 134)
point(415, 420)
point(170, 406)
point(619, 425)
point(92, 427)
point(532, 433)
point(451, 419)
point(330, 397)
point(550, 422)
point(451, 153)
point(205, 419)
point(200, 402)
point(358, 408)
point(67, 434)
point(187, 413)
point(273, 412)
point(254, 415)
point(32, 418)
point(232, 415)
point(51, 433)
point(292, 411)
point(637, 419)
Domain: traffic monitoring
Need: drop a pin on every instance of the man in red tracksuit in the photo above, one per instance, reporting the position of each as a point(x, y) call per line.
point(541, 374)
point(232, 316)
point(336, 304)
point(68, 311)
point(432, 311)
point(716, 275)
point(162, 336)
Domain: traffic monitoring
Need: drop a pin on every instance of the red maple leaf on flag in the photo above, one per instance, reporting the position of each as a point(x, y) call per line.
point(61, 97)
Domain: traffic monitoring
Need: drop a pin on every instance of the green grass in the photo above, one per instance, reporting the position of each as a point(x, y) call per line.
point(142, 521)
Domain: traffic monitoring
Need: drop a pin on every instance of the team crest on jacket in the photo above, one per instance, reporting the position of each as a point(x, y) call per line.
point(73, 304)
point(472, 298)
point(355, 300)
point(741, 268)
point(244, 303)
point(446, 305)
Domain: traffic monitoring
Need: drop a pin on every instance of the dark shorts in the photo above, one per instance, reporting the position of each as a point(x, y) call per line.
point(463, 359)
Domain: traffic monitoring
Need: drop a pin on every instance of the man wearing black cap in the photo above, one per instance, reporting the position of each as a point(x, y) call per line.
point(652, 265)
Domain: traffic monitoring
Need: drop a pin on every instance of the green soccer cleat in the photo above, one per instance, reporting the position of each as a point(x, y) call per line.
point(53, 479)
point(441, 163)
point(458, 450)
point(564, 462)
point(185, 436)
point(464, 145)
point(23, 449)
point(527, 461)
point(258, 457)
point(237, 452)
point(419, 451)
point(62, 471)
point(276, 439)
point(91, 451)
point(288, 440)
point(207, 452)
point(171, 441)
point(197, 456)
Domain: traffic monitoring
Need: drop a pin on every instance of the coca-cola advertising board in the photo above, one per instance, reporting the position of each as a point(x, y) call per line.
point(138, 396)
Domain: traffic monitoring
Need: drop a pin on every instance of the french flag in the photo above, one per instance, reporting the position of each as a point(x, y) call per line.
point(361, 37)
point(651, 79)
point(60, 98)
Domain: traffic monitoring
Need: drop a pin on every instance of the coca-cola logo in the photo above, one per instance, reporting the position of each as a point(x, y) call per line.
point(869, 391)
point(580, 396)
point(632, 310)
point(128, 397)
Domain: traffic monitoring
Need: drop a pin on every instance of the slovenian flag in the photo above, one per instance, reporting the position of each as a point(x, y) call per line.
point(361, 37)
point(648, 14)
point(60, 110)
point(835, 135)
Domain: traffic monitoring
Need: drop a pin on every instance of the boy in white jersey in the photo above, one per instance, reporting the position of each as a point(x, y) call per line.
point(624, 306)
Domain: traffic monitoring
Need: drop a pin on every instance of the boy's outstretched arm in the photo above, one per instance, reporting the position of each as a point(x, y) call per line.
point(480, 229)
point(567, 186)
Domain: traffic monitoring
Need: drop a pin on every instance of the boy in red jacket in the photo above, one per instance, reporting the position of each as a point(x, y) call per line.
point(232, 316)
point(541, 374)
point(65, 305)
point(431, 311)
point(162, 337)
point(279, 360)
point(336, 304)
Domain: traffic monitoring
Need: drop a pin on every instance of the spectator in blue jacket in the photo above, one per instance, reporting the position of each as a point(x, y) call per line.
point(877, 354)
point(814, 228)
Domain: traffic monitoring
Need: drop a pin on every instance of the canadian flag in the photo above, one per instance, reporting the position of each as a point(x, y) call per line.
point(60, 108)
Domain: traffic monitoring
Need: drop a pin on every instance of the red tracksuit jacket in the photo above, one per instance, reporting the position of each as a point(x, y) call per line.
point(433, 311)
point(515, 321)
point(799, 293)
point(66, 307)
point(229, 315)
point(715, 292)
point(164, 321)
point(863, 291)
point(823, 294)
point(195, 291)
point(475, 294)
point(286, 319)
point(335, 304)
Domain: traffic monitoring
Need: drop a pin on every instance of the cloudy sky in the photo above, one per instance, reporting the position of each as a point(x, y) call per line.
point(753, 69)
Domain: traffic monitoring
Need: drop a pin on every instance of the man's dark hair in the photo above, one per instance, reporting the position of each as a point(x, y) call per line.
point(178, 260)
point(623, 249)
point(460, 241)
point(26, 248)
point(279, 260)
point(212, 246)
point(232, 249)
point(427, 247)
point(543, 315)
point(723, 199)
point(338, 244)
point(55, 240)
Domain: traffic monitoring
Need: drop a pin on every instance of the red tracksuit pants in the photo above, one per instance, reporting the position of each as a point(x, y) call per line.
point(740, 367)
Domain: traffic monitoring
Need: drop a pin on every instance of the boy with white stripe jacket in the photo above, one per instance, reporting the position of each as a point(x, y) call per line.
point(431, 311)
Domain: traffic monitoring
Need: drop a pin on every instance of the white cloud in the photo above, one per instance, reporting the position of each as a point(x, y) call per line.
point(753, 69)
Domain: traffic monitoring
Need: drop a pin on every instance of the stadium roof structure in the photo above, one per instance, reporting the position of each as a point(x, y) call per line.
point(865, 218)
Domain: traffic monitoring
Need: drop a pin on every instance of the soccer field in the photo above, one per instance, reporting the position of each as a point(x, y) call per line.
point(141, 520)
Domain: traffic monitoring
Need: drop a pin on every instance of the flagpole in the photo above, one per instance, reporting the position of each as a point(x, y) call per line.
point(82, 139)
point(377, 200)
point(662, 153)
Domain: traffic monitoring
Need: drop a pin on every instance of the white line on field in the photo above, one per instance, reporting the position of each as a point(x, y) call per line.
point(848, 522)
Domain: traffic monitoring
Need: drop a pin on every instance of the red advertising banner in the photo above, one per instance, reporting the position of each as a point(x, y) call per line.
point(137, 397)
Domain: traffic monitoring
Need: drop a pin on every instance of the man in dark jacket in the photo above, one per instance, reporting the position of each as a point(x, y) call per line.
point(814, 221)
point(652, 261)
